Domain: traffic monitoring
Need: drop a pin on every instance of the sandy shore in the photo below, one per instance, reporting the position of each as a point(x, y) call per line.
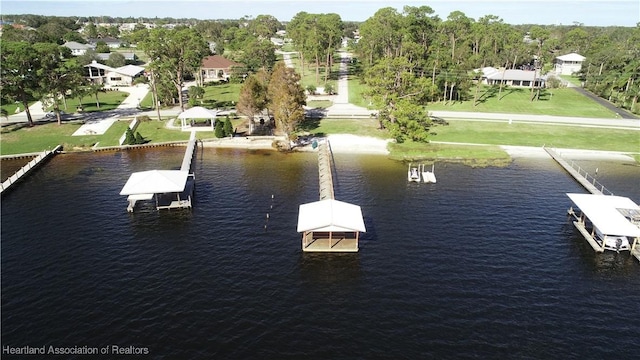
point(353, 144)
point(574, 154)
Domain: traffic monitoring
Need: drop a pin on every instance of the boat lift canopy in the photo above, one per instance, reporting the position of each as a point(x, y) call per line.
point(155, 182)
point(330, 215)
point(603, 212)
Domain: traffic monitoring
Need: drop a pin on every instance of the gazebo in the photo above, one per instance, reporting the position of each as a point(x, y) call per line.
point(197, 112)
point(330, 226)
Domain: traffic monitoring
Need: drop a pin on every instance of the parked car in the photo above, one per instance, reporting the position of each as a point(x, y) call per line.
point(52, 114)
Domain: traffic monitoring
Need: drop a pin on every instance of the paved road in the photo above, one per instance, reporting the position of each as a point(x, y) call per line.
point(631, 124)
point(623, 113)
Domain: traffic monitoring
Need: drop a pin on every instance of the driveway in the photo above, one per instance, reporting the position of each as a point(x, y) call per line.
point(623, 113)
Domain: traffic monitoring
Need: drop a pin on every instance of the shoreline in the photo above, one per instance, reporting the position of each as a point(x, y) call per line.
point(354, 144)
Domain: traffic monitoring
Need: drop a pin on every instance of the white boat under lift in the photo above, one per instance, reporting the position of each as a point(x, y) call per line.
point(419, 174)
point(607, 222)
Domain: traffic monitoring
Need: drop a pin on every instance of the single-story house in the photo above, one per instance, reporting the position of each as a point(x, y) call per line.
point(569, 64)
point(122, 76)
point(111, 42)
point(78, 49)
point(511, 77)
point(216, 68)
point(128, 56)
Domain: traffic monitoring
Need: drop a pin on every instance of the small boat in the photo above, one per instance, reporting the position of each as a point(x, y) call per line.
point(428, 176)
point(607, 222)
point(413, 174)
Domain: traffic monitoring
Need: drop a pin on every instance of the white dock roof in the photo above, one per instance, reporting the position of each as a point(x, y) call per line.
point(330, 215)
point(155, 182)
point(603, 212)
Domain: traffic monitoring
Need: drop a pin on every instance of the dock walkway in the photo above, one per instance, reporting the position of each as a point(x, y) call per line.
point(324, 170)
point(584, 178)
point(26, 169)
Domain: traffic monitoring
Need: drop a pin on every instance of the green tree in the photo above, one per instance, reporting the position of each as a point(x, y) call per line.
point(18, 73)
point(116, 60)
point(259, 54)
point(286, 98)
point(174, 53)
point(90, 31)
point(219, 129)
point(102, 47)
point(228, 127)
point(253, 95)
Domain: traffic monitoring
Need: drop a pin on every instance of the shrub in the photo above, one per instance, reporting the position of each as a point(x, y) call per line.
point(311, 89)
point(219, 129)
point(329, 89)
point(228, 128)
point(139, 138)
point(130, 138)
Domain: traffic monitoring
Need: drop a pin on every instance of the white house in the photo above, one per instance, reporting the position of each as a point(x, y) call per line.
point(77, 49)
point(122, 76)
point(569, 64)
point(521, 78)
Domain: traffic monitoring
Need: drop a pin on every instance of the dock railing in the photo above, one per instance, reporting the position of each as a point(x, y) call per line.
point(582, 172)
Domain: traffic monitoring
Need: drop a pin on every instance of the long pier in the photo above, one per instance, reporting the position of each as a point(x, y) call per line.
point(324, 170)
point(580, 175)
point(26, 169)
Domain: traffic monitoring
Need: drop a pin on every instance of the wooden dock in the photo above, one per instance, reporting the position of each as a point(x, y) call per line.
point(38, 159)
point(325, 173)
point(587, 181)
point(329, 225)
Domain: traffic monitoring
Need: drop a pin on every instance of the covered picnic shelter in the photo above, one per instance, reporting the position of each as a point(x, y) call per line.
point(197, 112)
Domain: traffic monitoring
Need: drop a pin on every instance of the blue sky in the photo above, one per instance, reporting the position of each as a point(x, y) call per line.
point(565, 12)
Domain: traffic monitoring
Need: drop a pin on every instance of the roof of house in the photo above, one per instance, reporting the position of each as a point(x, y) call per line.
point(107, 40)
point(571, 57)
point(509, 75)
point(129, 70)
point(127, 55)
point(217, 62)
point(76, 45)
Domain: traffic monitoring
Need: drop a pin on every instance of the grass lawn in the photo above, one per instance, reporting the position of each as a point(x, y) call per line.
point(361, 127)
point(538, 135)
point(572, 79)
point(221, 95)
point(472, 155)
point(20, 139)
point(559, 102)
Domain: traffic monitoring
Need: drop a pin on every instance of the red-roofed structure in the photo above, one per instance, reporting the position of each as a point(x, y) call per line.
point(216, 68)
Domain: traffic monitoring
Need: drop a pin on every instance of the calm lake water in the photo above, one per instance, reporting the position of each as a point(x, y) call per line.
point(485, 264)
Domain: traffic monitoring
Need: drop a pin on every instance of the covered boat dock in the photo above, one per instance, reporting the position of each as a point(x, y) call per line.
point(330, 226)
point(600, 217)
point(171, 189)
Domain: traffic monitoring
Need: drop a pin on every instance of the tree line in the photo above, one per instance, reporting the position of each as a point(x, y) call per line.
point(407, 58)
point(410, 58)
